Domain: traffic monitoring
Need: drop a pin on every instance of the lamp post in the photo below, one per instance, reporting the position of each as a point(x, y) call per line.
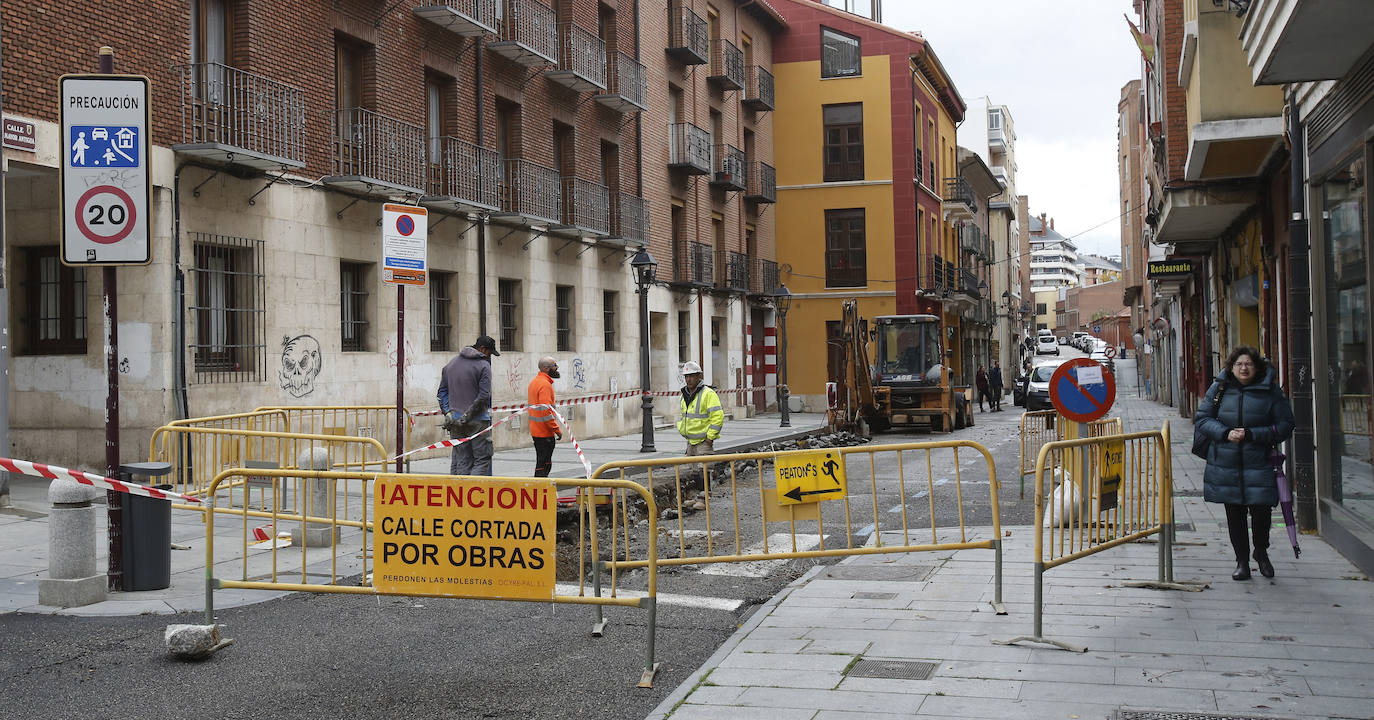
point(644, 265)
point(782, 300)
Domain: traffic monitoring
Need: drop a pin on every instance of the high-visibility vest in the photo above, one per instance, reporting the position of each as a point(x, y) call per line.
point(543, 423)
point(702, 416)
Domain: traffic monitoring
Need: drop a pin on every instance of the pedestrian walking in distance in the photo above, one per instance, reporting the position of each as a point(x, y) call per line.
point(981, 380)
point(1245, 415)
point(703, 417)
point(544, 428)
point(465, 398)
point(995, 382)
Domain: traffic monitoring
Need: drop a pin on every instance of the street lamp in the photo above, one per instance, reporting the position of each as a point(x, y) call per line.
point(644, 265)
point(782, 300)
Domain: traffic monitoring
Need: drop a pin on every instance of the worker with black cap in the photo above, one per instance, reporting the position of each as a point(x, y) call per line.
point(465, 398)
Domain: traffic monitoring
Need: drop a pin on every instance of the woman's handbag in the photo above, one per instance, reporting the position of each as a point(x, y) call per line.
point(1201, 443)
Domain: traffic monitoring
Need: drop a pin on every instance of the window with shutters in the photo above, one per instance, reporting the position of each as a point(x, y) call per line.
point(846, 257)
point(843, 142)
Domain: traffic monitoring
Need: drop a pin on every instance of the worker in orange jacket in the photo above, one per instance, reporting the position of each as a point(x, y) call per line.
point(543, 423)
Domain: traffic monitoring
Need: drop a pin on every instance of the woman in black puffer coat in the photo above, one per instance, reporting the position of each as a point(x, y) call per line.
point(1245, 414)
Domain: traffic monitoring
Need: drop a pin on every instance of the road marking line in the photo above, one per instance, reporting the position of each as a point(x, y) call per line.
point(697, 601)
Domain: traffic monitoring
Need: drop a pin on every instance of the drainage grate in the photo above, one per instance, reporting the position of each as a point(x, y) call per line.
point(906, 573)
point(1125, 714)
point(873, 596)
point(1278, 638)
point(892, 669)
point(1183, 527)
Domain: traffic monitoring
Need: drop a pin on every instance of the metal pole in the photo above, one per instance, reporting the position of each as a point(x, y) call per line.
point(784, 394)
point(646, 400)
point(114, 501)
point(400, 374)
point(4, 342)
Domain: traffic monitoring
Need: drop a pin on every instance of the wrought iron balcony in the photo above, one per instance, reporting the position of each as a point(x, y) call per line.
point(972, 239)
point(959, 196)
point(692, 261)
point(586, 207)
point(377, 154)
point(920, 166)
point(727, 65)
point(762, 184)
point(629, 85)
point(688, 41)
point(462, 17)
point(531, 192)
point(463, 176)
point(581, 59)
point(232, 116)
point(968, 283)
point(730, 166)
point(933, 279)
point(630, 218)
point(690, 149)
point(529, 33)
point(734, 271)
point(758, 89)
point(763, 280)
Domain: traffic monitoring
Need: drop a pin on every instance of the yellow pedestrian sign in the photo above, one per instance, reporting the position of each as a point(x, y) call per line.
point(1112, 460)
point(809, 477)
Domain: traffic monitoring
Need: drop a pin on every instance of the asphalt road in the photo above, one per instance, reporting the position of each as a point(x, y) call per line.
point(393, 657)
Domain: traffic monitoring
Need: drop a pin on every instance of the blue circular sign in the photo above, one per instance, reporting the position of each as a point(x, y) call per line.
point(1082, 390)
point(405, 225)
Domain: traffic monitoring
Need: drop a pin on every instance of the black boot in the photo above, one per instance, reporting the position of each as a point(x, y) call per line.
point(1242, 571)
point(1266, 568)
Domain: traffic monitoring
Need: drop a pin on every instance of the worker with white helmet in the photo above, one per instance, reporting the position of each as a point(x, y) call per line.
point(703, 417)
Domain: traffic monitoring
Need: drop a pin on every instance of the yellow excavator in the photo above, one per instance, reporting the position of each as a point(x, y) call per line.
point(907, 383)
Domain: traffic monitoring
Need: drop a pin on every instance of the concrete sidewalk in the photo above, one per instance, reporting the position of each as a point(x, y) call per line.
point(1300, 645)
point(24, 526)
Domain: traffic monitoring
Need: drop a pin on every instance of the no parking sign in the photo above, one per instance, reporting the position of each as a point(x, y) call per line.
point(1082, 390)
point(404, 244)
point(105, 189)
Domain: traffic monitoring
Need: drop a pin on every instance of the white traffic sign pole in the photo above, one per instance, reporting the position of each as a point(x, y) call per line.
point(405, 261)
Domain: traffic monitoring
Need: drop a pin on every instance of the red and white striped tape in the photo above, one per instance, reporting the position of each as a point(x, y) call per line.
point(606, 396)
point(568, 428)
point(460, 441)
point(53, 472)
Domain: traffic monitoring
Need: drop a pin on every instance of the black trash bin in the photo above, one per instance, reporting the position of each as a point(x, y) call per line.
point(146, 531)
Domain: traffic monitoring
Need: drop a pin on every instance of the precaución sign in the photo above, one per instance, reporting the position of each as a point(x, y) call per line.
point(464, 538)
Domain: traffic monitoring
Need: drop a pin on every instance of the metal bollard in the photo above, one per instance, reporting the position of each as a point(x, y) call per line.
point(316, 500)
point(72, 577)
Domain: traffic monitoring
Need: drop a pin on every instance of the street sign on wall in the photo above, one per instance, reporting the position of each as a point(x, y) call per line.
point(405, 231)
point(105, 188)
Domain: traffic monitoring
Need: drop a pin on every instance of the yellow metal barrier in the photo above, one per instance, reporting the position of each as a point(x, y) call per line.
point(738, 495)
point(333, 552)
point(372, 421)
point(1095, 493)
point(1042, 426)
point(265, 420)
point(1355, 414)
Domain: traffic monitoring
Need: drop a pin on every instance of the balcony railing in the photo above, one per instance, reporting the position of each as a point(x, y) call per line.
point(762, 185)
point(968, 283)
point(920, 166)
point(630, 218)
point(532, 191)
point(461, 17)
point(733, 271)
point(758, 89)
point(763, 280)
point(934, 278)
point(690, 149)
point(629, 85)
point(688, 41)
point(727, 65)
point(529, 33)
point(694, 266)
point(465, 176)
point(959, 192)
point(376, 152)
point(231, 115)
point(586, 206)
point(581, 59)
point(973, 239)
point(730, 166)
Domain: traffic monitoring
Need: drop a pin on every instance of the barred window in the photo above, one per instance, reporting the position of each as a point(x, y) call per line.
point(610, 300)
point(441, 311)
point(508, 299)
point(563, 301)
point(840, 54)
point(56, 298)
point(353, 298)
point(229, 311)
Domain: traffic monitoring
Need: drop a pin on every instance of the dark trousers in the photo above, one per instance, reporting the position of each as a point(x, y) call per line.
point(543, 455)
point(1260, 520)
point(996, 397)
point(983, 396)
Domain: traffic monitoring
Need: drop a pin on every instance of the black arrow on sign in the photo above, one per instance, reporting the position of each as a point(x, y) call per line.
point(796, 493)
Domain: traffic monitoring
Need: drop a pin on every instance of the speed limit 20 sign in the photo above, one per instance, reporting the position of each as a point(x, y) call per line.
point(105, 188)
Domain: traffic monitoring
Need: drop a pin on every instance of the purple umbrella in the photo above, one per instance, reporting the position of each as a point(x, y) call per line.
point(1285, 499)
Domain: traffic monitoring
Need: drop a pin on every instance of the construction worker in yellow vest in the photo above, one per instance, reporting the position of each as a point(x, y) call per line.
point(703, 417)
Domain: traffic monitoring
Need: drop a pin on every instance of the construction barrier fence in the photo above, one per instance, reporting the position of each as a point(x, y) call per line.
point(1042, 426)
point(1095, 493)
point(417, 535)
point(370, 421)
point(1355, 415)
point(752, 510)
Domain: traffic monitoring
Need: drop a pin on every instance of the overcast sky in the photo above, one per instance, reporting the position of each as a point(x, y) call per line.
point(1059, 66)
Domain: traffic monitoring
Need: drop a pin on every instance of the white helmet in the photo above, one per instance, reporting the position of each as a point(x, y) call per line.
point(691, 368)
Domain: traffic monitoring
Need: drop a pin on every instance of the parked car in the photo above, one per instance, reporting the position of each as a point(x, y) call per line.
point(1062, 340)
point(1079, 339)
point(1046, 345)
point(1038, 385)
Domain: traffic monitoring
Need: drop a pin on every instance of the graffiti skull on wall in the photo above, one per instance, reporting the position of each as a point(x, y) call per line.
point(300, 364)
